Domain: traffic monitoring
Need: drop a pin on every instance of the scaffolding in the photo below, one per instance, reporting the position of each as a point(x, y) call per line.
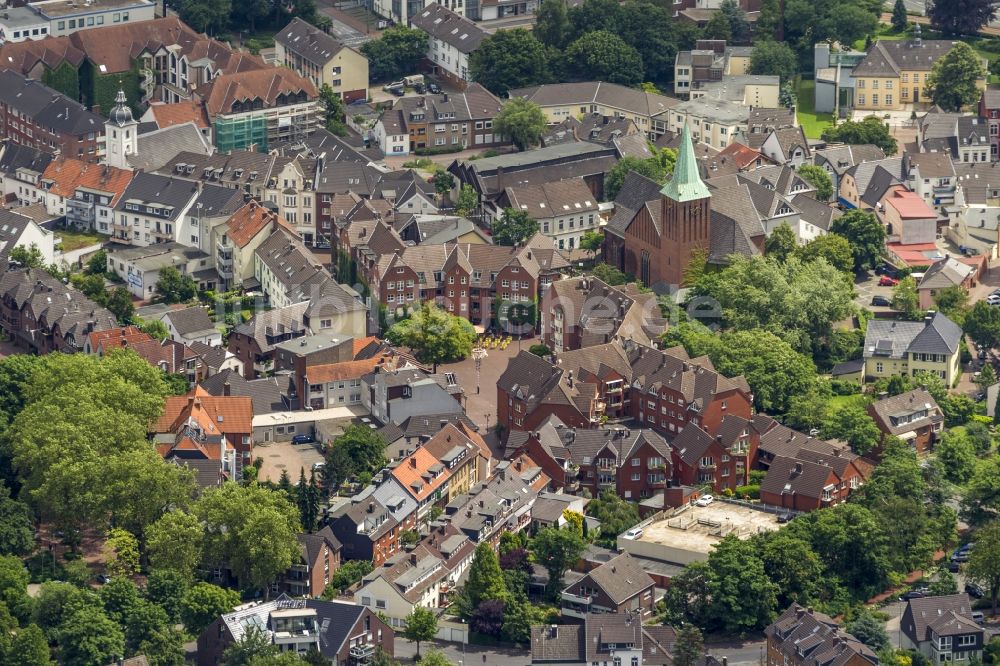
point(241, 132)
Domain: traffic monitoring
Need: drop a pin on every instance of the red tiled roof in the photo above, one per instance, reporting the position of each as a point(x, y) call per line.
point(248, 221)
point(264, 84)
point(214, 414)
point(67, 174)
point(909, 204)
point(410, 473)
point(167, 115)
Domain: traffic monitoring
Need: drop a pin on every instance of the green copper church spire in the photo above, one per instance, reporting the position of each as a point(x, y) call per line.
point(686, 183)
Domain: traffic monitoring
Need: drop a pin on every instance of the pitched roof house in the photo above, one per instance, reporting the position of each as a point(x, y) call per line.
point(603, 637)
point(941, 628)
point(913, 416)
point(802, 637)
point(620, 585)
point(908, 347)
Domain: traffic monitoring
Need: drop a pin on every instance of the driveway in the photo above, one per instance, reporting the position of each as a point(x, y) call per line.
point(866, 286)
point(279, 456)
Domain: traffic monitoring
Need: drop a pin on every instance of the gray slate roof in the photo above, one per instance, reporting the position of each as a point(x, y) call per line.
point(308, 41)
point(45, 106)
point(164, 192)
point(191, 322)
point(894, 339)
point(451, 28)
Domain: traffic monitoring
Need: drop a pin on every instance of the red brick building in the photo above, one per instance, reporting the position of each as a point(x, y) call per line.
point(721, 461)
point(320, 558)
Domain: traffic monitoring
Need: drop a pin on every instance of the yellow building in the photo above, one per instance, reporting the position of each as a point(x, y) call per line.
point(894, 73)
point(323, 60)
point(908, 347)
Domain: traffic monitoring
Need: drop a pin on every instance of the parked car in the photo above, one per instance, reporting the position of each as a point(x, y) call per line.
point(974, 591)
point(993, 299)
point(704, 500)
point(881, 301)
point(434, 88)
point(978, 617)
point(913, 594)
point(318, 466)
point(886, 281)
point(887, 269)
point(634, 533)
point(954, 566)
point(398, 92)
point(303, 439)
point(785, 517)
point(960, 557)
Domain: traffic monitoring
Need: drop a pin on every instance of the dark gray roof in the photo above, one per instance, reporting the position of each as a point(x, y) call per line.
point(920, 614)
point(266, 394)
point(451, 28)
point(207, 472)
point(815, 212)
point(15, 156)
point(336, 620)
point(154, 149)
point(12, 225)
point(939, 335)
point(308, 41)
point(45, 106)
point(635, 192)
point(278, 322)
point(426, 426)
point(235, 169)
point(895, 414)
point(894, 339)
point(218, 201)
point(164, 192)
point(889, 58)
point(621, 579)
point(288, 260)
point(190, 322)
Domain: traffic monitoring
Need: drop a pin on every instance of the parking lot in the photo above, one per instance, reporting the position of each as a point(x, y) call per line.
point(867, 286)
point(279, 456)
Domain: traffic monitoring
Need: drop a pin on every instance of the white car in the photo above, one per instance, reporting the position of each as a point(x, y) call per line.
point(993, 299)
point(704, 500)
point(634, 533)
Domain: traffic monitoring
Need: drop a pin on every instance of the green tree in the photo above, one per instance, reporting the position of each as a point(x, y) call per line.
point(865, 234)
point(203, 603)
point(485, 582)
point(166, 588)
point(513, 227)
point(869, 130)
point(252, 529)
point(818, 178)
point(144, 622)
point(833, 247)
point(689, 646)
point(395, 54)
point(604, 56)
point(810, 409)
point(29, 647)
point(164, 648)
point(522, 120)
point(953, 302)
point(944, 584)
point(615, 515)
point(17, 534)
point(718, 27)
point(648, 167)
point(792, 565)
point(774, 59)
point(421, 626)
point(467, 202)
point(557, 550)
point(769, 20)
point(348, 574)
point(869, 630)
point(853, 425)
point(434, 335)
point(906, 300)
point(253, 647)
point(900, 20)
point(609, 274)
point(435, 658)
point(739, 26)
point(960, 17)
point(957, 453)
point(28, 257)
point(119, 301)
point(333, 110)
point(742, 597)
point(89, 637)
point(173, 287)
point(121, 553)
point(444, 183)
point(56, 602)
point(552, 25)
point(987, 377)
point(154, 328)
point(781, 243)
point(97, 264)
point(952, 82)
point(984, 561)
point(142, 487)
point(774, 370)
point(592, 241)
point(982, 324)
point(14, 586)
point(687, 599)
point(509, 59)
point(174, 543)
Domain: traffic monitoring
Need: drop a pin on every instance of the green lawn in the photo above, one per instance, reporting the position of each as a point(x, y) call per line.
point(886, 32)
point(812, 123)
point(842, 401)
point(73, 239)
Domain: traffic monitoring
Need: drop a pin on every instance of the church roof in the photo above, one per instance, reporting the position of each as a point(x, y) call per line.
point(686, 184)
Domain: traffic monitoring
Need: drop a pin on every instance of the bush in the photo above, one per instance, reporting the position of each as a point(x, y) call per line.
point(438, 150)
point(751, 491)
point(841, 387)
point(539, 350)
point(424, 164)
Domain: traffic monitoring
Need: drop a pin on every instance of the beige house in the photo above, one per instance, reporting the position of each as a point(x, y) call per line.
point(559, 101)
point(894, 73)
point(323, 60)
point(908, 347)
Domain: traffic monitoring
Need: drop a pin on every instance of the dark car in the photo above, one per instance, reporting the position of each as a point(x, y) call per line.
point(887, 269)
point(954, 566)
point(913, 594)
point(303, 439)
point(434, 88)
point(419, 88)
point(398, 92)
point(785, 517)
point(881, 301)
point(974, 591)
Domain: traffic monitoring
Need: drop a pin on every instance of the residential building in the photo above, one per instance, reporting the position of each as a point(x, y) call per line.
point(268, 394)
point(894, 74)
point(85, 193)
point(836, 160)
point(709, 62)
point(948, 272)
point(19, 24)
point(722, 462)
point(787, 146)
point(259, 107)
point(618, 586)
point(254, 342)
point(40, 314)
point(583, 311)
point(344, 633)
point(237, 241)
point(17, 230)
point(658, 229)
point(424, 577)
point(989, 108)
point(914, 417)
point(564, 209)
point(451, 39)
point(865, 184)
point(716, 122)
point(942, 629)
point(65, 19)
point(21, 171)
point(908, 347)
point(306, 355)
point(932, 177)
point(151, 209)
point(217, 359)
point(323, 60)
point(810, 479)
point(501, 504)
point(368, 530)
point(190, 325)
point(171, 357)
point(456, 120)
point(549, 510)
point(210, 422)
point(833, 71)
point(319, 559)
point(615, 638)
point(562, 100)
point(908, 218)
point(32, 114)
point(803, 637)
point(140, 266)
point(393, 396)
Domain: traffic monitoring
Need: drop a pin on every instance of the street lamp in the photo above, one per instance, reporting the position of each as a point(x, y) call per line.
point(478, 354)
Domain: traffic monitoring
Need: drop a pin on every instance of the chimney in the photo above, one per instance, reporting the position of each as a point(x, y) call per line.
point(798, 468)
point(445, 96)
point(800, 612)
point(929, 317)
point(96, 109)
point(413, 559)
point(569, 379)
point(226, 389)
point(413, 463)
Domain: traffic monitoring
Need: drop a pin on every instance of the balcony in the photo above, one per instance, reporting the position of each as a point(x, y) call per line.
point(80, 212)
point(360, 654)
point(574, 605)
point(710, 465)
point(147, 81)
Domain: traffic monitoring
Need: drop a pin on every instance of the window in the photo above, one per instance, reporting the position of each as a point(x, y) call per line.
point(888, 99)
point(861, 100)
point(874, 100)
point(116, 17)
point(61, 25)
point(965, 641)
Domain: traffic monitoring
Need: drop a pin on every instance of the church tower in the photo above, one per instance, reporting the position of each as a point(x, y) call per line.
point(120, 134)
point(685, 217)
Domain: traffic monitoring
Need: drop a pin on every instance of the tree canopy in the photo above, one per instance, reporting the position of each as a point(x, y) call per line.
point(521, 120)
point(434, 335)
point(871, 129)
point(513, 227)
point(818, 178)
point(509, 59)
point(395, 54)
point(865, 234)
point(960, 17)
point(952, 82)
point(604, 56)
point(774, 59)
